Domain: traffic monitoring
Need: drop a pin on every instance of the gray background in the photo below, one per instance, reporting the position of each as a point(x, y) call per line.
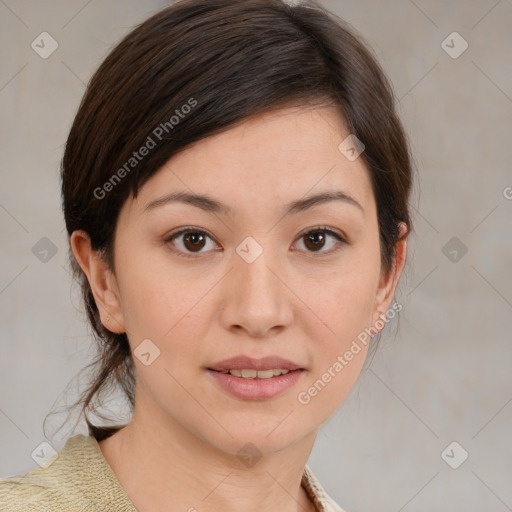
point(442, 376)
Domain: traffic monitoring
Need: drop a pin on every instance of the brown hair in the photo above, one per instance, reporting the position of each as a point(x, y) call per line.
point(197, 68)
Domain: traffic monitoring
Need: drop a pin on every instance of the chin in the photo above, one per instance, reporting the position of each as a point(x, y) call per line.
point(255, 440)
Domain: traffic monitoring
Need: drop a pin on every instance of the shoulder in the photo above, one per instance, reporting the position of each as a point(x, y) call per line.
point(41, 489)
point(77, 478)
point(32, 492)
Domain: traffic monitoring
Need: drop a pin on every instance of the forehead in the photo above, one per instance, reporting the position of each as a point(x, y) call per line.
point(277, 156)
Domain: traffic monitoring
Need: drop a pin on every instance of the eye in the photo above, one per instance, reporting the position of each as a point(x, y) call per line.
point(315, 240)
point(189, 241)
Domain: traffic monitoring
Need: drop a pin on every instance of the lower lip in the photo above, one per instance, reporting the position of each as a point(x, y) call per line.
point(256, 389)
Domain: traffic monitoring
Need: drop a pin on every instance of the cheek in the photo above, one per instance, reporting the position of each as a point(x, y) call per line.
point(343, 304)
point(160, 303)
point(344, 301)
point(351, 305)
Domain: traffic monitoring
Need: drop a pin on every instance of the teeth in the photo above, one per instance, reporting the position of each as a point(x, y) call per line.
point(265, 374)
point(260, 374)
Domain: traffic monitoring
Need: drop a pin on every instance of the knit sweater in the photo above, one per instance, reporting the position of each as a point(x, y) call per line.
point(79, 479)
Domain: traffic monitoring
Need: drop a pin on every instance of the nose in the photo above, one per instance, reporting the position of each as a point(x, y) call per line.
point(258, 300)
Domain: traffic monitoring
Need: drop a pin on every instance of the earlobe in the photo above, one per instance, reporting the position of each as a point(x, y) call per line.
point(101, 280)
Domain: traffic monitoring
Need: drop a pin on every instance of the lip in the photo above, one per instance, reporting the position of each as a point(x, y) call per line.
point(249, 363)
point(256, 389)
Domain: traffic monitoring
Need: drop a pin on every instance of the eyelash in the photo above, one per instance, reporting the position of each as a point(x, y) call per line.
point(319, 229)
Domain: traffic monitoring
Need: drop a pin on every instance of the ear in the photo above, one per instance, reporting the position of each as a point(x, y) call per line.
point(388, 283)
point(102, 281)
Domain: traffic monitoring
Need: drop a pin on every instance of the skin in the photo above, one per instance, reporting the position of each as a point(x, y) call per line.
point(180, 447)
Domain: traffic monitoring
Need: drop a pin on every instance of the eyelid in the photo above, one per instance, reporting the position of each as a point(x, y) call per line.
point(186, 229)
point(336, 233)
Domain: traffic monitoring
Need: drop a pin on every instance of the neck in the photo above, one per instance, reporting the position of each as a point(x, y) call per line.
point(161, 464)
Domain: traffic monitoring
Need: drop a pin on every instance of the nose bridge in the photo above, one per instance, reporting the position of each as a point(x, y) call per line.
point(258, 300)
point(253, 269)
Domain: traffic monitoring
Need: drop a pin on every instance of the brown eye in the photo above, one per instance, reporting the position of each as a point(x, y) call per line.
point(194, 241)
point(315, 240)
point(189, 241)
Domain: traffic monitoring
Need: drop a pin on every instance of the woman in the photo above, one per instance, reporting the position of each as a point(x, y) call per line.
point(235, 189)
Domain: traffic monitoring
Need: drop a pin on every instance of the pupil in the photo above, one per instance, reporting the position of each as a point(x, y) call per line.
point(317, 240)
point(193, 238)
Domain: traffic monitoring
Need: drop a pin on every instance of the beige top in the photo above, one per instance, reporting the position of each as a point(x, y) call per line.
point(79, 478)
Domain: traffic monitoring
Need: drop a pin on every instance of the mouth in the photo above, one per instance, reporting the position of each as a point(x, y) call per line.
point(248, 373)
point(264, 364)
point(255, 379)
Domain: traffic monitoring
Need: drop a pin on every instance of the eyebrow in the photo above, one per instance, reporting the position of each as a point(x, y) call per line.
point(209, 204)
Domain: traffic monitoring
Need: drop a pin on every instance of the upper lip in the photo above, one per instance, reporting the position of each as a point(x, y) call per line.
point(249, 363)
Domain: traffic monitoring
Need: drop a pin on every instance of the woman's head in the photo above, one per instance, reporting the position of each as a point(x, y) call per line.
point(257, 105)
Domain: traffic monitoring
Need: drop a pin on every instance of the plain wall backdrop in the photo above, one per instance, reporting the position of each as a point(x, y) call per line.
point(441, 375)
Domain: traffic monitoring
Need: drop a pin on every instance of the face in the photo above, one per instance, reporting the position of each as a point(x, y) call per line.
point(254, 272)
